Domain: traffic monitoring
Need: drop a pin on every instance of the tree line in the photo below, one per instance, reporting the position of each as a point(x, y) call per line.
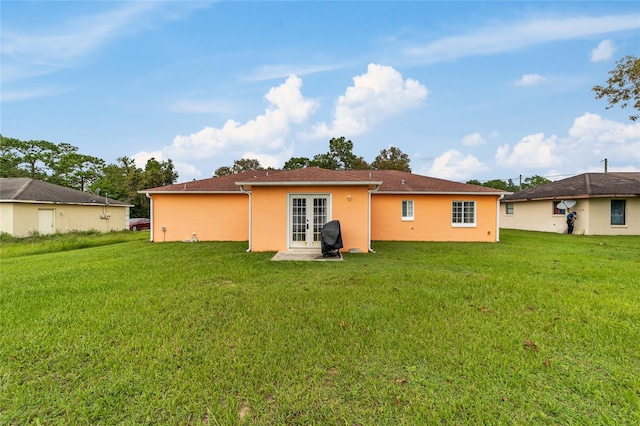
point(62, 164)
point(339, 157)
point(509, 185)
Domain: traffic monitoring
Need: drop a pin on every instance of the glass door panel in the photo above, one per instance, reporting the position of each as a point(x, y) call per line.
point(308, 215)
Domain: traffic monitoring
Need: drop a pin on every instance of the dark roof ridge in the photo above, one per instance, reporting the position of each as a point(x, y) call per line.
point(23, 188)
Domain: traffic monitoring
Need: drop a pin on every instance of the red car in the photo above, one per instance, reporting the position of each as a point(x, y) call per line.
point(137, 224)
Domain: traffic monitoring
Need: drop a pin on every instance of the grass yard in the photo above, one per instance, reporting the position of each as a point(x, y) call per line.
point(538, 329)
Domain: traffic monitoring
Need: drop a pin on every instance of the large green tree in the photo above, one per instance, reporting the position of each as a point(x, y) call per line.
point(534, 180)
point(239, 166)
point(10, 159)
point(246, 164)
point(295, 163)
point(623, 86)
point(36, 158)
point(392, 159)
point(75, 170)
point(325, 161)
point(56, 163)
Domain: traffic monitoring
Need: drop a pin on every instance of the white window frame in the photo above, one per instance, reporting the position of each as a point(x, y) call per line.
point(509, 208)
point(623, 215)
point(464, 204)
point(410, 208)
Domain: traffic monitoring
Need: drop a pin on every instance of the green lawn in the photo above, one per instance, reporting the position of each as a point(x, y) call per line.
point(538, 329)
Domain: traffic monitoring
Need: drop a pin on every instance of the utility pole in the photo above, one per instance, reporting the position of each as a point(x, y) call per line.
point(605, 165)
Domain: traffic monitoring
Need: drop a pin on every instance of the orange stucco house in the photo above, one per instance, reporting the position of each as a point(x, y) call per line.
point(277, 210)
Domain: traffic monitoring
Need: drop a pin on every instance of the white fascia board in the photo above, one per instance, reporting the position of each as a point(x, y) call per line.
point(190, 192)
point(312, 183)
point(64, 203)
point(435, 193)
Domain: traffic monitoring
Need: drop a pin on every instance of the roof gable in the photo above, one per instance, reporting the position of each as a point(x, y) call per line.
point(586, 185)
point(32, 190)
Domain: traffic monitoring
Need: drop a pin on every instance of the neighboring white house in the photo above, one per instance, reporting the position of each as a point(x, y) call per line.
point(28, 206)
point(606, 203)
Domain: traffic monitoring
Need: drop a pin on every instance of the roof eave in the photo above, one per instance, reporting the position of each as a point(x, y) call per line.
point(312, 183)
point(568, 197)
point(191, 192)
point(65, 203)
point(437, 192)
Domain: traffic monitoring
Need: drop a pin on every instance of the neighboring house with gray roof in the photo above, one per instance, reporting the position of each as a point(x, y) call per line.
point(28, 206)
point(606, 204)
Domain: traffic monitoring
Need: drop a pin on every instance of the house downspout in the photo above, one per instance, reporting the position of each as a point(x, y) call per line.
point(151, 216)
point(250, 216)
point(498, 219)
point(369, 219)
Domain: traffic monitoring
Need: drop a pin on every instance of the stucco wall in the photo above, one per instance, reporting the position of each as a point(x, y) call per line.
point(6, 218)
point(348, 204)
point(22, 218)
point(538, 216)
point(600, 218)
point(432, 218)
point(212, 217)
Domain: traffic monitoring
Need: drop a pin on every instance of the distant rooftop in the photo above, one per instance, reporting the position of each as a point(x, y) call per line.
point(32, 190)
point(586, 185)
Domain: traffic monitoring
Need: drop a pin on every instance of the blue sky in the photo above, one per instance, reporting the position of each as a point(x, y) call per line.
point(469, 90)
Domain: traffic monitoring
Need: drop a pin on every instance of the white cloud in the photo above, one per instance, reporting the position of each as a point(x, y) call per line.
point(494, 39)
point(379, 93)
point(141, 158)
point(591, 137)
point(533, 151)
point(198, 107)
point(271, 160)
point(271, 72)
point(456, 166)
point(21, 95)
point(529, 80)
point(185, 171)
point(188, 171)
point(263, 134)
point(32, 52)
point(590, 140)
point(473, 139)
point(603, 51)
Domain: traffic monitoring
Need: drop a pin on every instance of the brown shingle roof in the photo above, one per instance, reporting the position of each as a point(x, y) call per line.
point(587, 185)
point(26, 190)
point(214, 184)
point(397, 181)
point(310, 175)
point(390, 181)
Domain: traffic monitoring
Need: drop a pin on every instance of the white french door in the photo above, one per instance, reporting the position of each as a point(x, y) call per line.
point(308, 213)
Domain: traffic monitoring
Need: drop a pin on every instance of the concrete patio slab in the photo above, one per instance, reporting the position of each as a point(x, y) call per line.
point(305, 255)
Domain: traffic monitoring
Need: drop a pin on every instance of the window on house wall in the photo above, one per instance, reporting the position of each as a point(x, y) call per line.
point(509, 208)
point(407, 210)
point(618, 208)
point(463, 213)
point(556, 210)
